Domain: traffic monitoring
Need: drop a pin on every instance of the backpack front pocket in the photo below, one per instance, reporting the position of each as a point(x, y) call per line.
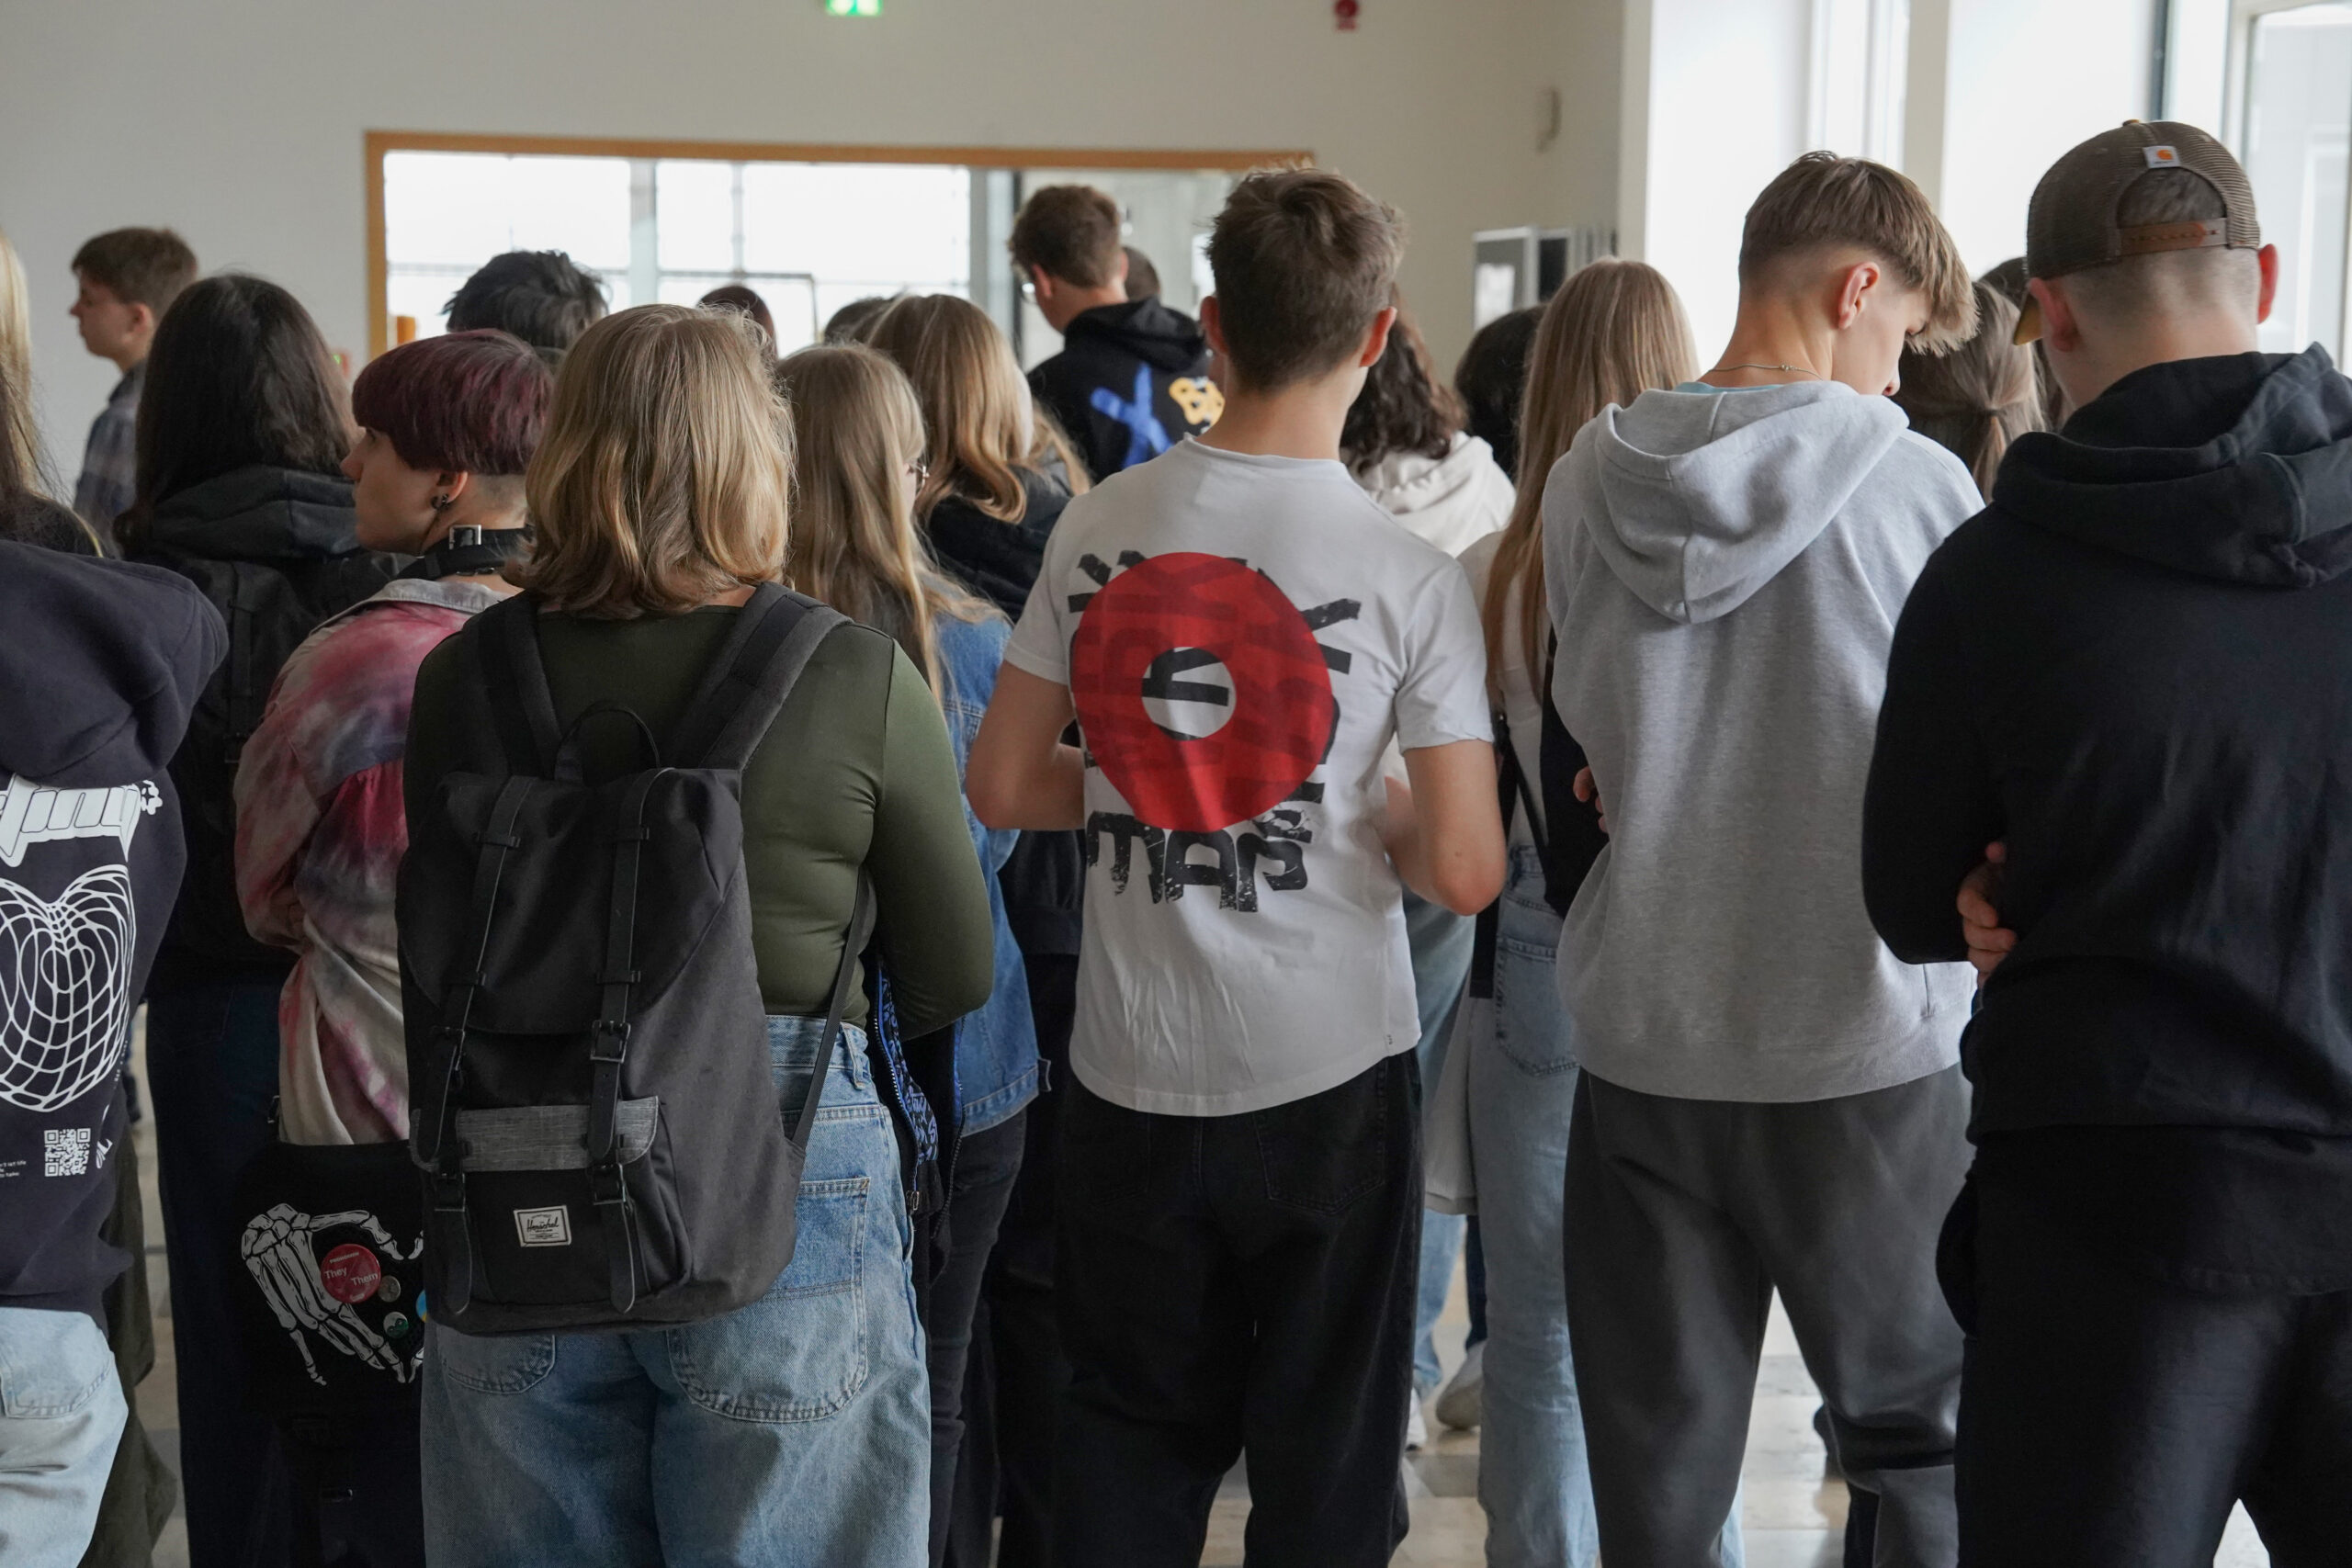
point(542, 1228)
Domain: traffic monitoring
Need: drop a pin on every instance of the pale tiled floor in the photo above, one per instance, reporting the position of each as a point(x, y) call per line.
point(1792, 1518)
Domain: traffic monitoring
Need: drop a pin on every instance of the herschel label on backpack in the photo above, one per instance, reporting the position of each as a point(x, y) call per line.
point(590, 1092)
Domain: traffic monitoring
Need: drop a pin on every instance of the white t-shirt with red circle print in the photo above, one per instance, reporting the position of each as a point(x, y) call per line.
point(1243, 636)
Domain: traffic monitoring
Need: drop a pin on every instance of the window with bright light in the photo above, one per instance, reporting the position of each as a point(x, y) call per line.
point(2298, 125)
point(1861, 53)
point(809, 237)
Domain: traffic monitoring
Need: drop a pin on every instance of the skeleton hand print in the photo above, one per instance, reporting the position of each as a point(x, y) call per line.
point(280, 1256)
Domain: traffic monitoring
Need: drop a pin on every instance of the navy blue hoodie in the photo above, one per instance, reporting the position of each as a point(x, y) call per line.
point(101, 664)
point(1131, 381)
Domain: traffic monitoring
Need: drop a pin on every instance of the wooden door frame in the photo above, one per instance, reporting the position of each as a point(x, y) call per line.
point(378, 142)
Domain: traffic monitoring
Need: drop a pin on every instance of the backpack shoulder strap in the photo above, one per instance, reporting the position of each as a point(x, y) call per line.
point(506, 650)
point(750, 678)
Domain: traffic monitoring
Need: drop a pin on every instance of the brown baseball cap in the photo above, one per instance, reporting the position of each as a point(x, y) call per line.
point(2071, 224)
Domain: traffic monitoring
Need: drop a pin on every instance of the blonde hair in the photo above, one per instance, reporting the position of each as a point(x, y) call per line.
point(23, 431)
point(664, 476)
point(984, 426)
point(859, 438)
point(1614, 331)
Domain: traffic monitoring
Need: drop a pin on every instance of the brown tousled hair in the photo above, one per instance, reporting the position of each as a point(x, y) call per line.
point(1303, 261)
point(984, 426)
point(1070, 233)
point(1979, 397)
point(664, 476)
point(1823, 201)
point(857, 439)
point(1614, 331)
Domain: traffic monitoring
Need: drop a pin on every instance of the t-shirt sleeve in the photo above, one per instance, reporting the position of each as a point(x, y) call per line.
point(1039, 646)
point(1442, 697)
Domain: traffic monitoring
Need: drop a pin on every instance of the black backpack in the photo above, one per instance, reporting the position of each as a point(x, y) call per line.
point(589, 1089)
point(270, 606)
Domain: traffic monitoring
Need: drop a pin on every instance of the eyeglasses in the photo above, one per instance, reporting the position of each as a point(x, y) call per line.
point(920, 472)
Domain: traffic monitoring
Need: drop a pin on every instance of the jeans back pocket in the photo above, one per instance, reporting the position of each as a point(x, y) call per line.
point(1323, 1153)
point(799, 1352)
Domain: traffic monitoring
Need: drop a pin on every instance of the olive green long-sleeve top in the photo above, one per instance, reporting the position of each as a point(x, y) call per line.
point(856, 771)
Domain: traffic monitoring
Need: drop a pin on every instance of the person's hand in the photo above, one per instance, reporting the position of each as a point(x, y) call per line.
point(1587, 788)
point(1989, 942)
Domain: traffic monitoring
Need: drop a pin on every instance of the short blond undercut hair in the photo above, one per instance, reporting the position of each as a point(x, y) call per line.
point(1823, 201)
point(665, 471)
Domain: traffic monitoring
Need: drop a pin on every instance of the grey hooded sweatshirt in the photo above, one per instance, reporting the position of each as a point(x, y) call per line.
point(1724, 570)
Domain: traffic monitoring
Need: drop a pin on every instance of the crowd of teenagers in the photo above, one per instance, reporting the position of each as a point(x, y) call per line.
point(863, 959)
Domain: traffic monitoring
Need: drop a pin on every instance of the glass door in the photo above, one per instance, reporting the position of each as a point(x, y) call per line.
point(2295, 131)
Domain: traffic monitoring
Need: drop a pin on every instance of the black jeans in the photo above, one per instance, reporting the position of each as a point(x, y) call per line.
point(2109, 1418)
point(1017, 1372)
point(986, 1164)
point(1235, 1284)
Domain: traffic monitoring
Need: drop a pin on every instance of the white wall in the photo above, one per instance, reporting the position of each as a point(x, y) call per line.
point(239, 121)
point(2021, 81)
point(1715, 103)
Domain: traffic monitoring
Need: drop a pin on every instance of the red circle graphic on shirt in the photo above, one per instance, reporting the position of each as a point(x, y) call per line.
point(1208, 611)
point(350, 1272)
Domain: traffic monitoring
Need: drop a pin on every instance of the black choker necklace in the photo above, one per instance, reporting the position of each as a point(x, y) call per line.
point(469, 551)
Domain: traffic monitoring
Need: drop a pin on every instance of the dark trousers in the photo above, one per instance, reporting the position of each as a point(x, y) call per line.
point(986, 1164)
point(1235, 1284)
point(1681, 1217)
point(2108, 1418)
point(1017, 1374)
point(213, 1070)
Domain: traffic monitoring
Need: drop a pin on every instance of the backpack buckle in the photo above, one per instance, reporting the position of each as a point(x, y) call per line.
point(605, 1185)
point(450, 1193)
point(608, 1040)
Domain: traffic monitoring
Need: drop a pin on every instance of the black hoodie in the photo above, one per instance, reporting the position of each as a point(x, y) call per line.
point(2135, 667)
point(101, 664)
point(1130, 382)
point(276, 551)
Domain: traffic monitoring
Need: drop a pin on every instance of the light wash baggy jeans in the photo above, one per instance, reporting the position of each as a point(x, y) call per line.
point(792, 1433)
point(60, 1413)
point(1533, 1481)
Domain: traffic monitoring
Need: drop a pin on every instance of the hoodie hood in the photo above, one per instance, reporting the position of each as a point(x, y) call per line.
point(1697, 499)
point(1163, 338)
point(120, 651)
point(2236, 468)
point(258, 513)
point(1451, 502)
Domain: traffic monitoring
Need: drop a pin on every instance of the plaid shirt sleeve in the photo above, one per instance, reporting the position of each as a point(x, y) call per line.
point(111, 462)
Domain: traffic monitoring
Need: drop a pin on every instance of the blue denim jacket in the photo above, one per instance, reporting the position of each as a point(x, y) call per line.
point(996, 1048)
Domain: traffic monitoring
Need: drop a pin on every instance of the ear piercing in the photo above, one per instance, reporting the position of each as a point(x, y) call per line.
point(443, 503)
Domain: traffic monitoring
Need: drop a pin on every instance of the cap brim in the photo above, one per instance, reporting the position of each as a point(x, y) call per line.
point(2029, 322)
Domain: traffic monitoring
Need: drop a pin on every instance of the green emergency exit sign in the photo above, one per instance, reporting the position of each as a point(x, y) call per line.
point(853, 8)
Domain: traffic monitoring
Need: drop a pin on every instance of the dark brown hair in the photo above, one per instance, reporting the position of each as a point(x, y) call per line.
point(1823, 199)
point(466, 402)
point(1303, 261)
point(138, 266)
point(1070, 231)
point(744, 298)
point(1403, 407)
point(1977, 398)
point(1492, 378)
point(239, 377)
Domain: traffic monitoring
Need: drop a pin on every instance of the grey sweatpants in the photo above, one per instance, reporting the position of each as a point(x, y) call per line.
point(1682, 1217)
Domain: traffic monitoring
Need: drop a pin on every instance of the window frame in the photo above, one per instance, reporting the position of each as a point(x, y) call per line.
point(380, 142)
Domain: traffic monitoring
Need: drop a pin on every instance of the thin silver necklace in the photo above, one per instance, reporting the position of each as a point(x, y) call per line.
point(1791, 369)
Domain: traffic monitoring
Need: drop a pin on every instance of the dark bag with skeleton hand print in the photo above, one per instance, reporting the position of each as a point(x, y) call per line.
point(329, 1297)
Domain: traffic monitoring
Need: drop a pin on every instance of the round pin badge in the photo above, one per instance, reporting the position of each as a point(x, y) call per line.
point(390, 1290)
point(395, 1325)
point(350, 1273)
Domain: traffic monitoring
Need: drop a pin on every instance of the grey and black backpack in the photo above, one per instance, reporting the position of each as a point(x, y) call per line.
point(590, 1092)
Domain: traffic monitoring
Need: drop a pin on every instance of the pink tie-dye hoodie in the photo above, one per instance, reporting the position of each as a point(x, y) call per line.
point(320, 834)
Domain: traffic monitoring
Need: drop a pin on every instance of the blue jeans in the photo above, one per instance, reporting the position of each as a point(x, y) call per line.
point(60, 1412)
point(1531, 1477)
point(792, 1433)
point(212, 1072)
point(1441, 944)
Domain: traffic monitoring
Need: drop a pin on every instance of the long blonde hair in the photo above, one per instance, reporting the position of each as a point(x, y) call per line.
point(859, 443)
point(985, 428)
point(664, 476)
point(23, 431)
point(1614, 331)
